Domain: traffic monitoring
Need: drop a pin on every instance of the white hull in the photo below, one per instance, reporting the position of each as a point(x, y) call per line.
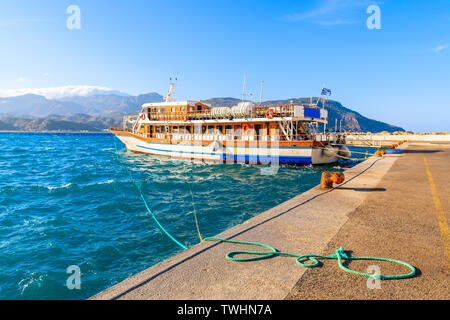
point(256, 153)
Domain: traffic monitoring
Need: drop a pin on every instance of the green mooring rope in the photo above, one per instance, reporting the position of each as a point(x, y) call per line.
point(138, 187)
point(339, 255)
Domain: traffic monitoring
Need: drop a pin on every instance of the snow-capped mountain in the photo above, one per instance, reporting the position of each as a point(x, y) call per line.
point(62, 92)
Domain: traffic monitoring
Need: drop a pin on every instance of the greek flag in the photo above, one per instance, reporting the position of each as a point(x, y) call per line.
point(326, 92)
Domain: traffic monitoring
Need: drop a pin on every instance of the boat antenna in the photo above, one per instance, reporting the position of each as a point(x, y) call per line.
point(243, 87)
point(260, 95)
point(171, 89)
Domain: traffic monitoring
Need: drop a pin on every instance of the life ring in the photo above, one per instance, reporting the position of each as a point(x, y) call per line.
point(185, 118)
point(269, 114)
point(143, 116)
point(245, 127)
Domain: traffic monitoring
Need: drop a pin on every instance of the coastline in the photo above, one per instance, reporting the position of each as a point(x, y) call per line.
point(9, 131)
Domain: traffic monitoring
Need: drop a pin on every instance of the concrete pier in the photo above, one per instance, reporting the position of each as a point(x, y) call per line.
point(386, 139)
point(388, 207)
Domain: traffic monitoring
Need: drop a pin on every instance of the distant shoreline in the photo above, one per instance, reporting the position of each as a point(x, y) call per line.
point(9, 131)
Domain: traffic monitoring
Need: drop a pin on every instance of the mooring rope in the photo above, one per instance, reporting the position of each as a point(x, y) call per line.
point(339, 255)
point(195, 211)
point(347, 158)
point(145, 202)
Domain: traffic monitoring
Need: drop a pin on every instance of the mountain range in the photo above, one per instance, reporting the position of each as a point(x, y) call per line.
point(99, 110)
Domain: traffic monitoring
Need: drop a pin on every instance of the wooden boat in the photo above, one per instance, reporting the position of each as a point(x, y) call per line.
point(245, 133)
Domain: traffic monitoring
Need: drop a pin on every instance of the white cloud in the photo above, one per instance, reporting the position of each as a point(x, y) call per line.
point(440, 48)
point(334, 22)
point(55, 93)
point(325, 8)
point(331, 12)
point(45, 74)
point(21, 79)
point(27, 20)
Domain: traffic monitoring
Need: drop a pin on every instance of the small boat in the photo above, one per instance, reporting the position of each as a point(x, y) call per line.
point(246, 133)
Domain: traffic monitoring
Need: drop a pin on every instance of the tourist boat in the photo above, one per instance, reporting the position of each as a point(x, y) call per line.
point(245, 133)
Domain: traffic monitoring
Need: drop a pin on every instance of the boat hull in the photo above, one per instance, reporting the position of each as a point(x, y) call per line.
point(253, 152)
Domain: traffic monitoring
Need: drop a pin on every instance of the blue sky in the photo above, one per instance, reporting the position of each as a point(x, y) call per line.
point(399, 74)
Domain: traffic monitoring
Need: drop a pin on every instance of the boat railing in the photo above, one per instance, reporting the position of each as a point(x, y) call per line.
point(337, 137)
point(223, 137)
point(281, 111)
point(238, 136)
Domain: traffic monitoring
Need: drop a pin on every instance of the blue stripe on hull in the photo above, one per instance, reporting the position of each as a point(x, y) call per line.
point(234, 146)
point(245, 158)
point(172, 151)
point(266, 159)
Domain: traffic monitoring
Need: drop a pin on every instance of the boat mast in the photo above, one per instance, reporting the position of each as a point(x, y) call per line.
point(243, 87)
point(171, 90)
point(260, 95)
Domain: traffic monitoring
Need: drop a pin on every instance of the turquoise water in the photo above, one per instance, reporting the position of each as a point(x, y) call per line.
point(65, 199)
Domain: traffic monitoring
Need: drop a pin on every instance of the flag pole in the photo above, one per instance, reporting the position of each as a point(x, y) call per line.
point(320, 96)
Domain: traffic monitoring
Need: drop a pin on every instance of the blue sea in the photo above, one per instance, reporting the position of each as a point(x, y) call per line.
point(69, 200)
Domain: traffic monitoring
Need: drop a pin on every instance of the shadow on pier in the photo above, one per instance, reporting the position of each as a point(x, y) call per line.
point(363, 189)
point(422, 151)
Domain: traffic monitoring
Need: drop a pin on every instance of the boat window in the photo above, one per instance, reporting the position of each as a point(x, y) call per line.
point(197, 129)
point(158, 129)
point(163, 129)
point(173, 109)
point(191, 109)
point(203, 129)
point(199, 108)
point(175, 129)
point(182, 109)
point(163, 110)
point(188, 129)
point(229, 129)
point(219, 130)
point(181, 129)
point(210, 129)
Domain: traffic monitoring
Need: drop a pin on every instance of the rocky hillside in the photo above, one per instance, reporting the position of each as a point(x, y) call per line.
point(31, 105)
point(77, 122)
point(99, 112)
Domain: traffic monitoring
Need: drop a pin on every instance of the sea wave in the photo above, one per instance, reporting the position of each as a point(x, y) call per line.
point(58, 187)
point(78, 203)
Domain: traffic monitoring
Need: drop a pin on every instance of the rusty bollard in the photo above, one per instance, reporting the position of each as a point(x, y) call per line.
point(326, 182)
point(380, 153)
